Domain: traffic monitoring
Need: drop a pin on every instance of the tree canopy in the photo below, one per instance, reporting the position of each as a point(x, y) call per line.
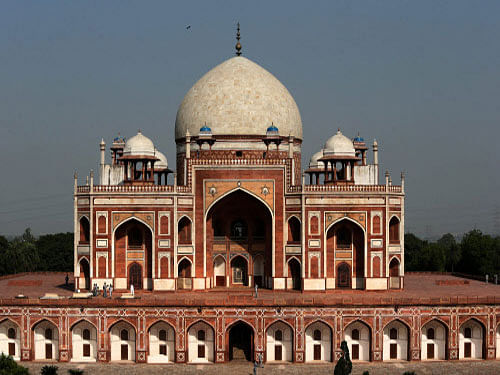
point(475, 254)
point(26, 253)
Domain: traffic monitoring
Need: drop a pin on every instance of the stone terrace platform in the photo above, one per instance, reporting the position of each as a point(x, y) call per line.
point(420, 289)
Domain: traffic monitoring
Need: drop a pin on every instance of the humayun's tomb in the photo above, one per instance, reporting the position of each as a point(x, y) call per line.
point(324, 244)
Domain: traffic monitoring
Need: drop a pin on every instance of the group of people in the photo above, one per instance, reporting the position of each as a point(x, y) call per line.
point(107, 290)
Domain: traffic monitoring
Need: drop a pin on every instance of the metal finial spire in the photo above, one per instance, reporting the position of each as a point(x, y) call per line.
point(238, 44)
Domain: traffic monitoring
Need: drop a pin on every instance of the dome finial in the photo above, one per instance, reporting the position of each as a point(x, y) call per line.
point(238, 44)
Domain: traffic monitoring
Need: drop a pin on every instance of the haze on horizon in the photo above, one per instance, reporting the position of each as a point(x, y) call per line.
point(422, 77)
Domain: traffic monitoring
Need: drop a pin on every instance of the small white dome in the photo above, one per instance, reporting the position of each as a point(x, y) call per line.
point(238, 97)
point(315, 162)
point(139, 145)
point(162, 163)
point(339, 145)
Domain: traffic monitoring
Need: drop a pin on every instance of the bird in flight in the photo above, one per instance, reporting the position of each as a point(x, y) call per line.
point(188, 27)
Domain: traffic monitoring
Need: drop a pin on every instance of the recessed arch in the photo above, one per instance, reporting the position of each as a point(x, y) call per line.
point(472, 335)
point(396, 334)
point(161, 342)
point(394, 229)
point(83, 270)
point(294, 267)
point(200, 321)
point(83, 335)
point(122, 339)
point(294, 225)
point(279, 341)
point(10, 338)
point(46, 340)
point(201, 340)
point(80, 321)
point(240, 336)
point(358, 335)
point(357, 246)
point(232, 191)
point(319, 341)
point(434, 338)
point(239, 218)
point(149, 265)
point(185, 230)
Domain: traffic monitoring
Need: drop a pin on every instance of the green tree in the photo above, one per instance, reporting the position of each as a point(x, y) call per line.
point(451, 249)
point(9, 367)
point(55, 252)
point(479, 254)
point(413, 247)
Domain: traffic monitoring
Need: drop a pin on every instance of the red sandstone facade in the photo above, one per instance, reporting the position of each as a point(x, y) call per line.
point(238, 213)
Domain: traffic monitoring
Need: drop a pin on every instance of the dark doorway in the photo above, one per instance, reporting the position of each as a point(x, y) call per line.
point(294, 273)
point(85, 273)
point(241, 342)
point(135, 276)
point(240, 271)
point(124, 352)
point(343, 276)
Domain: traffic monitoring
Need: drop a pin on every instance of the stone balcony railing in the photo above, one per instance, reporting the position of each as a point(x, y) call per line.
point(346, 188)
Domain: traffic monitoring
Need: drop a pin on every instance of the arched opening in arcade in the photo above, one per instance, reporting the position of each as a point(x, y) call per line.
point(83, 342)
point(471, 340)
point(200, 343)
point(133, 254)
point(294, 277)
point(346, 254)
point(10, 339)
point(240, 341)
point(161, 343)
point(318, 342)
point(239, 228)
point(84, 279)
point(396, 341)
point(279, 343)
point(122, 340)
point(46, 337)
point(434, 338)
point(358, 338)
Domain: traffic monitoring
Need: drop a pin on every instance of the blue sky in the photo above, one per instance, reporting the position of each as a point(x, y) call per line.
point(422, 77)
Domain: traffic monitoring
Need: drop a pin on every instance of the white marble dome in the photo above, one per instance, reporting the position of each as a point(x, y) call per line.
point(315, 162)
point(162, 163)
point(139, 145)
point(339, 145)
point(238, 97)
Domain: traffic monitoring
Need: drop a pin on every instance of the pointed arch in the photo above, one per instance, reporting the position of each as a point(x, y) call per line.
point(358, 335)
point(161, 342)
point(185, 230)
point(84, 230)
point(358, 271)
point(279, 341)
point(394, 229)
point(255, 228)
point(83, 334)
point(10, 338)
point(294, 229)
point(434, 339)
point(80, 321)
point(294, 272)
point(113, 244)
point(211, 205)
point(319, 341)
